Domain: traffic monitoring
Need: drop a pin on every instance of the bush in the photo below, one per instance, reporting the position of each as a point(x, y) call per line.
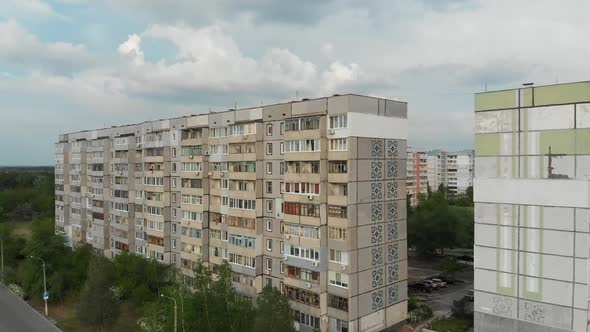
point(450, 325)
point(18, 290)
point(422, 312)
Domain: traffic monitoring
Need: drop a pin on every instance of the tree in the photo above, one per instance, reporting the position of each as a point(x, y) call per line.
point(432, 225)
point(139, 278)
point(450, 266)
point(98, 305)
point(469, 193)
point(273, 312)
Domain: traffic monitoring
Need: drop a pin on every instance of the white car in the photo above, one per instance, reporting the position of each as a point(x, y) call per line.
point(438, 283)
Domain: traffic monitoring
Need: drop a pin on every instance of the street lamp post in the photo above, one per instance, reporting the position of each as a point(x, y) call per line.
point(2, 258)
point(45, 295)
point(175, 310)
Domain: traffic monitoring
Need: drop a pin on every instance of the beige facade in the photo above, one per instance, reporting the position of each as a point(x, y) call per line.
point(306, 196)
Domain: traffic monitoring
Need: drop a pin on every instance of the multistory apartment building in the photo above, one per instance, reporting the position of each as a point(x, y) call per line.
point(417, 174)
point(306, 196)
point(532, 208)
point(454, 170)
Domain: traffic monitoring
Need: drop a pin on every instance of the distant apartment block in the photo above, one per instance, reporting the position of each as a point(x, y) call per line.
point(431, 168)
point(306, 196)
point(417, 174)
point(532, 208)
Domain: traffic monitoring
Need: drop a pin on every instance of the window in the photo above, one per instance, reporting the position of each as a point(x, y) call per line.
point(173, 213)
point(269, 245)
point(224, 183)
point(269, 206)
point(338, 121)
point(301, 209)
point(337, 211)
point(245, 204)
point(242, 260)
point(192, 167)
point(339, 144)
point(174, 258)
point(338, 279)
point(173, 167)
point(173, 152)
point(174, 243)
point(269, 168)
point(269, 187)
point(306, 319)
point(192, 199)
point(191, 232)
point(269, 225)
point(269, 264)
point(304, 123)
point(282, 127)
point(303, 188)
point(302, 296)
point(269, 129)
point(302, 252)
point(306, 145)
point(337, 233)
point(338, 167)
point(268, 148)
point(174, 196)
point(282, 149)
point(338, 302)
point(311, 232)
point(239, 240)
point(192, 216)
point(173, 182)
point(282, 167)
point(339, 256)
point(281, 267)
point(191, 150)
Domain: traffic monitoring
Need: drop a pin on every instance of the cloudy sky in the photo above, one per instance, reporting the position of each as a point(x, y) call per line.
point(67, 65)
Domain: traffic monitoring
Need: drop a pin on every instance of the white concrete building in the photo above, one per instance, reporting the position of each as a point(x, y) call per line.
point(532, 209)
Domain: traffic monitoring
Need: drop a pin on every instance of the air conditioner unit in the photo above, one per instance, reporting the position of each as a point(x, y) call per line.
point(190, 157)
point(267, 271)
point(332, 132)
point(210, 173)
point(343, 267)
point(139, 145)
point(187, 222)
point(310, 197)
point(222, 174)
point(287, 236)
point(316, 264)
point(308, 285)
point(285, 257)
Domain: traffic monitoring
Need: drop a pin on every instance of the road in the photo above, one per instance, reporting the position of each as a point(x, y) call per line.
point(442, 300)
point(16, 315)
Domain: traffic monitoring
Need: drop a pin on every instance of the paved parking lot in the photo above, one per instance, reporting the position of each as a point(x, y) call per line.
point(441, 300)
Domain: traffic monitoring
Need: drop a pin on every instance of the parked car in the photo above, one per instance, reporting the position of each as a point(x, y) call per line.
point(422, 287)
point(470, 296)
point(448, 279)
point(430, 284)
point(438, 283)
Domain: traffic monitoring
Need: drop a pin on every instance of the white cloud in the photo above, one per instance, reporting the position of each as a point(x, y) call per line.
point(27, 9)
point(208, 59)
point(18, 47)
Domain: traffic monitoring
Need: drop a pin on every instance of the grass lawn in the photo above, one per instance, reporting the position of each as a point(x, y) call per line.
point(450, 325)
point(65, 315)
point(21, 228)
